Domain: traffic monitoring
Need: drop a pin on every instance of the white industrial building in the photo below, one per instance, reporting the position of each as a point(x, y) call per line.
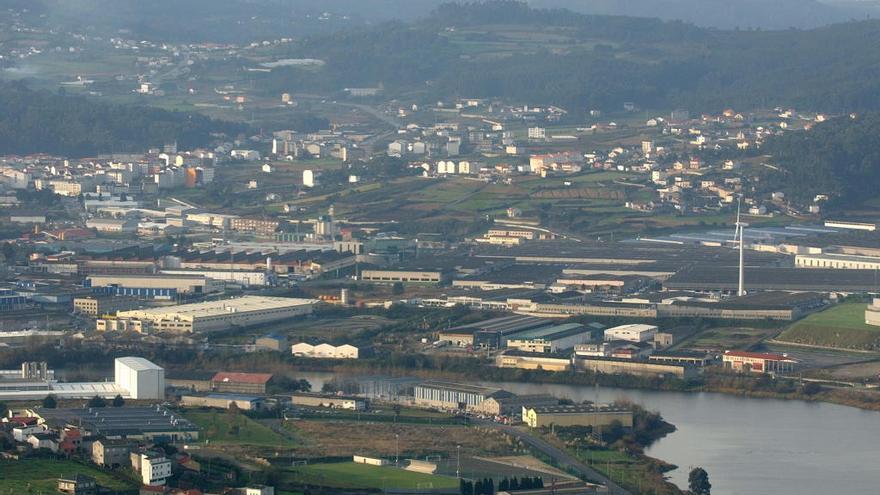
point(631, 333)
point(240, 277)
point(224, 314)
point(838, 261)
point(142, 379)
point(134, 378)
point(325, 351)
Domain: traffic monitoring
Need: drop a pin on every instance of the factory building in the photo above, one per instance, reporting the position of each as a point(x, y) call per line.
point(134, 378)
point(224, 401)
point(246, 278)
point(158, 286)
point(758, 362)
point(532, 361)
point(576, 415)
point(103, 305)
point(453, 396)
point(638, 367)
point(631, 333)
point(551, 339)
point(434, 277)
point(326, 351)
point(240, 383)
point(331, 401)
point(837, 261)
point(491, 333)
point(224, 314)
point(150, 424)
point(143, 379)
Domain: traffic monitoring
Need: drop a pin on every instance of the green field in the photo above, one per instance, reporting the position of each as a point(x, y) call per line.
point(351, 475)
point(41, 475)
point(838, 326)
point(222, 428)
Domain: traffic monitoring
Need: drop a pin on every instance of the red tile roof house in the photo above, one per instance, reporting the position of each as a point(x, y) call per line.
point(240, 383)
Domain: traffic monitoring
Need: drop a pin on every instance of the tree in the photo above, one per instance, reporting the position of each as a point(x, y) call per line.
point(118, 401)
point(9, 252)
point(397, 288)
point(698, 482)
point(49, 402)
point(97, 401)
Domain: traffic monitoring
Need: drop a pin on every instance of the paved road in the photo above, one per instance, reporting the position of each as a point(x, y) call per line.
point(562, 458)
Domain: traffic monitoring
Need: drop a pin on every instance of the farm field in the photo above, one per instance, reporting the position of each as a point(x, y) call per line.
point(41, 475)
point(724, 338)
point(351, 475)
point(840, 326)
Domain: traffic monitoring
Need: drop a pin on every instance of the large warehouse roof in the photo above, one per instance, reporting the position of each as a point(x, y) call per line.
point(225, 306)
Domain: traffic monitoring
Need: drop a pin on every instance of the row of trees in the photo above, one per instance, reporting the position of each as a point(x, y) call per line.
point(51, 402)
point(486, 486)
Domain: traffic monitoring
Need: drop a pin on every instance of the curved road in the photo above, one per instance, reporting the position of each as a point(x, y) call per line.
point(562, 458)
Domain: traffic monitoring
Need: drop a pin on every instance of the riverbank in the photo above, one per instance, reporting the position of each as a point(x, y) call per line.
point(715, 381)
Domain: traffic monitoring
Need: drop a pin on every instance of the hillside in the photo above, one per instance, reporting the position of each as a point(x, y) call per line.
point(42, 122)
point(839, 326)
point(839, 158)
point(506, 49)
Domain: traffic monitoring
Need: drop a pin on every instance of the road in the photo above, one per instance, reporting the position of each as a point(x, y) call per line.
point(563, 459)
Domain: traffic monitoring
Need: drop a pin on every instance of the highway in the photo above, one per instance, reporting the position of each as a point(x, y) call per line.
point(563, 459)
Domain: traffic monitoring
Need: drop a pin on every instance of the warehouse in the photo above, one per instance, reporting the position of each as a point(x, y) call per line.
point(142, 379)
point(631, 333)
point(240, 383)
point(872, 314)
point(224, 314)
point(453, 396)
point(617, 366)
point(103, 305)
point(167, 286)
point(332, 401)
point(151, 424)
point(326, 351)
point(550, 339)
point(224, 401)
point(533, 361)
point(434, 277)
point(576, 415)
point(758, 362)
point(245, 278)
point(491, 333)
point(837, 261)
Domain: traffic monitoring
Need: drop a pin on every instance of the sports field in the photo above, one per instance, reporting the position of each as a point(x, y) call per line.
point(841, 326)
point(351, 475)
point(41, 475)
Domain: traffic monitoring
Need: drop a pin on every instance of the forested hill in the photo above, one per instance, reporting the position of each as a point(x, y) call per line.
point(840, 158)
point(506, 49)
point(42, 122)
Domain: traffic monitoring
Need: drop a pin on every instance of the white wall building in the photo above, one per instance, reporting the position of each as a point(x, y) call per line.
point(325, 351)
point(631, 333)
point(155, 468)
point(142, 379)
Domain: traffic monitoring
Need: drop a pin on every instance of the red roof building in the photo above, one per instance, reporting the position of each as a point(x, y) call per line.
point(758, 362)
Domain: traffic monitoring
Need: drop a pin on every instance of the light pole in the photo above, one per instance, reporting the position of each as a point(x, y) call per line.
point(397, 449)
point(458, 461)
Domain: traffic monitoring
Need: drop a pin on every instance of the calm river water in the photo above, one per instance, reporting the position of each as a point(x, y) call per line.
point(748, 445)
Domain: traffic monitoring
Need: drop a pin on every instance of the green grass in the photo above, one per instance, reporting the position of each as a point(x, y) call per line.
point(41, 475)
point(841, 326)
point(219, 427)
point(351, 475)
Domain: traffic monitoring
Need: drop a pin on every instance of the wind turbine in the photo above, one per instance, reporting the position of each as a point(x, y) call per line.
point(740, 231)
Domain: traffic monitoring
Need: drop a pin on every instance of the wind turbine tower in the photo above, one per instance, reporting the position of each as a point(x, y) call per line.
point(740, 230)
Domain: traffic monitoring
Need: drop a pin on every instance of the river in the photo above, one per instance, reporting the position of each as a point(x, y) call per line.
point(748, 445)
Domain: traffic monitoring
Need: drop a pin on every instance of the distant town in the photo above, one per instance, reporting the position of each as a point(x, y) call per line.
point(387, 288)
